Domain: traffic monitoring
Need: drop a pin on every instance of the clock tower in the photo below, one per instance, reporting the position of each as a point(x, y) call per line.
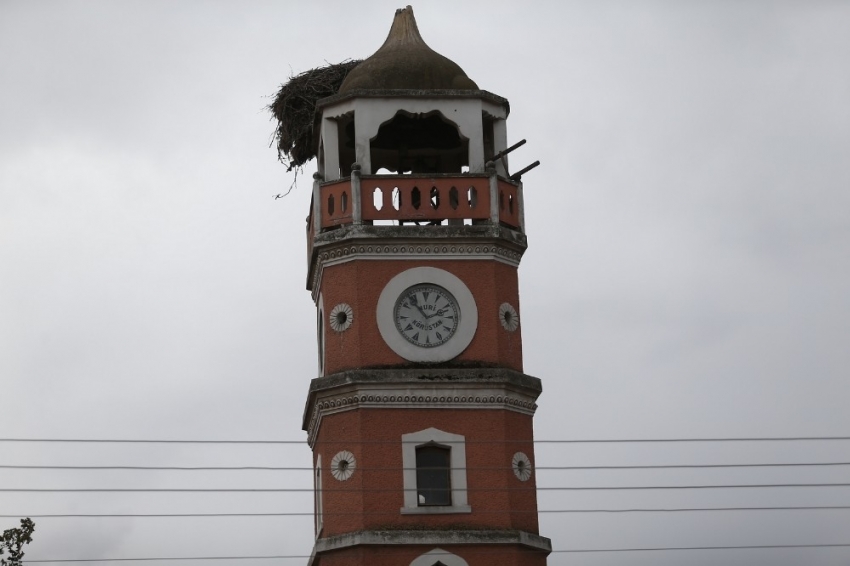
point(420, 419)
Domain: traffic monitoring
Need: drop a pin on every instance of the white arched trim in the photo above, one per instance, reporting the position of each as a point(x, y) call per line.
point(457, 460)
point(439, 555)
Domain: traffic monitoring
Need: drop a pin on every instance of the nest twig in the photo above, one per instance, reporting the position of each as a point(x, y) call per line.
point(294, 108)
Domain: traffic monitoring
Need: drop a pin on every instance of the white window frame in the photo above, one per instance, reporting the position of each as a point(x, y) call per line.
point(457, 459)
point(439, 555)
point(320, 334)
point(317, 487)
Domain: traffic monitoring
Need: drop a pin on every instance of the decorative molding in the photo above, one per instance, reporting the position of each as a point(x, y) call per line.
point(521, 466)
point(508, 317)
point(341, 317)
point(419, 388)
point(431, 538)
point(452, 396)
point(347, 251)
point(343, 465)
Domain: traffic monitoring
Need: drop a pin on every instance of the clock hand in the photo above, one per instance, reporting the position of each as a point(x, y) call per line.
point(416, 304)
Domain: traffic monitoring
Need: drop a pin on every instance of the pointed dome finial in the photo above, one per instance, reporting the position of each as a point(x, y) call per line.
point(406, 62)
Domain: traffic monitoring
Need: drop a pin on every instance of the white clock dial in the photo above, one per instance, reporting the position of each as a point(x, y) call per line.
point(426, 315)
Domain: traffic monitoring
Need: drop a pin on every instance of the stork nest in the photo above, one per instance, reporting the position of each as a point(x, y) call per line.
point(294, 108)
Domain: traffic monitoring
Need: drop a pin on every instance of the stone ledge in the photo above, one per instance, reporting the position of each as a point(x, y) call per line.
point(414, 375)
point(430, 538)
point(432, 233)
point(413, 93)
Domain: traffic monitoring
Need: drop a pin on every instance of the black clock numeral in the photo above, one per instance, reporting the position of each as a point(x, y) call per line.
point(425, 295)
point(447, 329)
point(408, 327)
point(439, 336)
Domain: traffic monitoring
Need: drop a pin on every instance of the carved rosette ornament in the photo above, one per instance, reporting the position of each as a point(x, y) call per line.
point(522, 466)
point(508, 317)
point(343, 465)
point(341, 317)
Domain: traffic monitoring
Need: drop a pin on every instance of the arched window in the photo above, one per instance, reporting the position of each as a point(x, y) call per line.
point(419, 143)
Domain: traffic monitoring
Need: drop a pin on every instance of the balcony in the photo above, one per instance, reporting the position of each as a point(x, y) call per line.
point(430, 200)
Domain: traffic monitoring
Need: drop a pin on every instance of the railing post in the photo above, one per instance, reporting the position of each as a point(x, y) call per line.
point(356, 209)
point(317, 205)
point(490, 168)
point(520, 200)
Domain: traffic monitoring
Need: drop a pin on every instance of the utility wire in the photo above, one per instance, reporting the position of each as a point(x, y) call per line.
point(363, 441)
point(494, 468)
point(328, 513)
point(467, 551)
point(355, 490)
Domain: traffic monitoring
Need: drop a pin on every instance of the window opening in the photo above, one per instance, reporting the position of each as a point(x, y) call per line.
point(435, 198)
point(472, 197)
point(453, 198)
point(419, 143)
point(396, 198)
point(378, 199)
point(433, 477)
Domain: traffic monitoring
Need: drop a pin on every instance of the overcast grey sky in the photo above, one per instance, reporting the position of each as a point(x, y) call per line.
point(688, 273)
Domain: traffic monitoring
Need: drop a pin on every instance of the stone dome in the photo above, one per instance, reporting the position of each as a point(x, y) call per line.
point(405, 62)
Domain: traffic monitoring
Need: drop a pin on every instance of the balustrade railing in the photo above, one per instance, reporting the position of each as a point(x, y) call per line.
point(420, 199)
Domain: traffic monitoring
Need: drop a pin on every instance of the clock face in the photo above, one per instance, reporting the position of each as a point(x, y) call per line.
point(426, 315)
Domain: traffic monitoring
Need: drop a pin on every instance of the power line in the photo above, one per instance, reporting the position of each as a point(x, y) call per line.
point(493, 468)
point(355, 490)
point(328, 513)
point(362, 441)
point(741, 547)
point(466, 551)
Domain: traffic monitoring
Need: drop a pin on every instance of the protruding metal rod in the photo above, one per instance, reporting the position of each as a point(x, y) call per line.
point(521, 172)
point(504, 152)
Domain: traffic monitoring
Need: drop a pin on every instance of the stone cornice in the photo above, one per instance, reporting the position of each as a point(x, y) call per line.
point(349, 243)
point(431, 538)
point(412, 93)
point(460, 388)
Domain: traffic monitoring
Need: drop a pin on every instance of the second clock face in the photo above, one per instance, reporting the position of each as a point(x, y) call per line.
point(426, 315)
